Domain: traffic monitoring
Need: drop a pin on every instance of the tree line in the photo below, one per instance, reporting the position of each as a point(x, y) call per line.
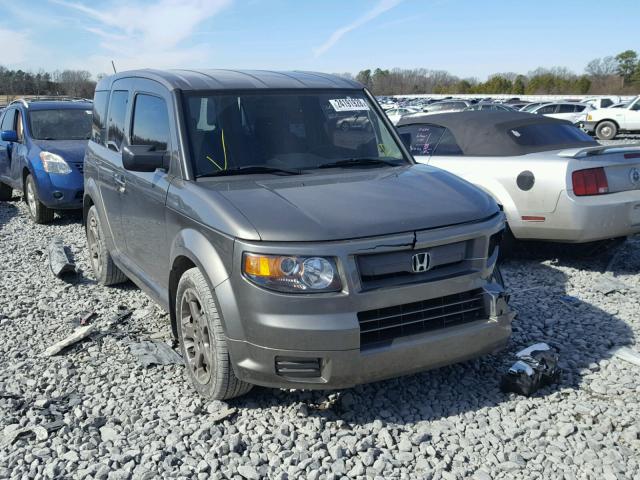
point(618, 74)
point(74, 83)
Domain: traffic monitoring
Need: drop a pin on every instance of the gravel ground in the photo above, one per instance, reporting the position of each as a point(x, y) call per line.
point(106, 416)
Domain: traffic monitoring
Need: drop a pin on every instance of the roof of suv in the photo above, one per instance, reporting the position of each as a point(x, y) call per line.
point(51, 103)
point(234, 79)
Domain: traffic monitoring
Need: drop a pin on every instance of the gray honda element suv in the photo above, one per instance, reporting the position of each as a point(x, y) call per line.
point(290, 252)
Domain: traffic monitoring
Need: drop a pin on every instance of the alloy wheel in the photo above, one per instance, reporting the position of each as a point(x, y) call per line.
point(196, 336)
point(94, 242)
point(31, 198)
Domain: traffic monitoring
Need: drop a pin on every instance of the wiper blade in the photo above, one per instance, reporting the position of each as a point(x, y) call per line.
point(356, 162)
point(250, 169)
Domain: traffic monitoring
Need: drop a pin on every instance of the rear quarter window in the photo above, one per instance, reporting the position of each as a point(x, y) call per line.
point(98, 128)
point(541, 134)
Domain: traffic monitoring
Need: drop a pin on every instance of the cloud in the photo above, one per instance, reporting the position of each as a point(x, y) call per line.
point(381, 7)
point(15, 47)
point(137, 34)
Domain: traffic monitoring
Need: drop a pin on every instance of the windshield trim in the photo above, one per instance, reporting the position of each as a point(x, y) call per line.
point(182, 97)
point(31, 134)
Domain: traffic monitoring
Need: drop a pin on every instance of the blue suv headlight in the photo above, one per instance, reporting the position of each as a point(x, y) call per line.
point(53, 163)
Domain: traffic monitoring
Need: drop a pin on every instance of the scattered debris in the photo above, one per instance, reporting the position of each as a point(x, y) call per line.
point(39, 432)
point(76, 336)
point(536, 367)
point(625, 353)
point(59, 260)
point(154, 353)
point(608, 284)
point(84, 319)
point(222, 414)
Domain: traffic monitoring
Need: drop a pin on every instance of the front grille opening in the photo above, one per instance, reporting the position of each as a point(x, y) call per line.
point(298, 367)
point(382, 325)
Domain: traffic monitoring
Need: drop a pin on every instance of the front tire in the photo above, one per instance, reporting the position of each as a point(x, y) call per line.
point(202, 340)
point(606, 130)
point(37, 210)
point(6, 193)
point(105, 271)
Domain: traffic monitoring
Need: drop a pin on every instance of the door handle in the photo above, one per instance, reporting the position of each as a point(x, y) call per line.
point(120, 182)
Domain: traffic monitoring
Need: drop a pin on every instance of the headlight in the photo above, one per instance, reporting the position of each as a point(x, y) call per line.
point(292, 274)
point(53, 163)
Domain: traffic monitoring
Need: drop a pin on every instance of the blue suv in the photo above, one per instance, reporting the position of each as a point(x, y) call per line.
point(42, 144)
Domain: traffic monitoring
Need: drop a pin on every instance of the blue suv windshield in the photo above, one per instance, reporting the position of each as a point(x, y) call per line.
point(297, 130)
point(61, 124)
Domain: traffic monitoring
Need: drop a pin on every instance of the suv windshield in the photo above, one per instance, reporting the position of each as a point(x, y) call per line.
point(297, 130)
point(67, 124)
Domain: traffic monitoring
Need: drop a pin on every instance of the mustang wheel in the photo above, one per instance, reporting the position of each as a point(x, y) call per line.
point(38, 211)
point(6, 192)
point(606, 130)
point(202, 340)
point(104, 269)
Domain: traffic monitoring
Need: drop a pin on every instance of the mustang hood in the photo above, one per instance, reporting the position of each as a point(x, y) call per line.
point(354, 204)
point(71, 150)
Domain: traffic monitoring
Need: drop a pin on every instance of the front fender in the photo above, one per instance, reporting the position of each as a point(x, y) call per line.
point(208, 255)
point(195, 246)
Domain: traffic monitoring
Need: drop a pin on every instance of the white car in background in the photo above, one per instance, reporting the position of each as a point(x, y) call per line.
point(606, 123)
point(395, 114)
point(574, 112)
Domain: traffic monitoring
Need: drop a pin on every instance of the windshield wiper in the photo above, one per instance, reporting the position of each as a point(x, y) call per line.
point(249, 169)
point(364, 161)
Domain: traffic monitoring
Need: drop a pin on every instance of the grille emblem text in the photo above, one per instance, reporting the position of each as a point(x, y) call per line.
point(421, 262)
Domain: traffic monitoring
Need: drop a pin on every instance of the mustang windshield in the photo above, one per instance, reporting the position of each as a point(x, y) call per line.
point(63, 124)
point(297, 130)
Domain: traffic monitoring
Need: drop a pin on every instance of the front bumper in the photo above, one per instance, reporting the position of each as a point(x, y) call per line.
point(264, 327)
point(61, 192)
point(585, 219)
point(405, 355)
point(589, 127)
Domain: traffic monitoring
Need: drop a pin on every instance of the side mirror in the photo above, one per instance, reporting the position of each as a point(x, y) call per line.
point(144, 158)
point(9, 136)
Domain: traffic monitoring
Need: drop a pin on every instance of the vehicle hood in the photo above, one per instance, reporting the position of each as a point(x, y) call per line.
point(71, 150)
point(352, 204)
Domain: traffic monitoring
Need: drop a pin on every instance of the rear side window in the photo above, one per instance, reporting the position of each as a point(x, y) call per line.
point(421, 139)
point(98, 128)
point(117, 114)
point(567, 109)
point(546, 109)
point(447, 145)
point(150, 122)
point(541, 134)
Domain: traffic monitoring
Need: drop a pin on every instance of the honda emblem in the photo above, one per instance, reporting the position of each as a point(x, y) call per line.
point(421, 262)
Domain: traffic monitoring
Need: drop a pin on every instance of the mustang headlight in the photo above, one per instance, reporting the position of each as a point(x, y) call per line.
point(53, 163)
point(292, 274)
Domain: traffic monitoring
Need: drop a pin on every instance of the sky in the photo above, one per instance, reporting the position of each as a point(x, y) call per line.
point(468, 38)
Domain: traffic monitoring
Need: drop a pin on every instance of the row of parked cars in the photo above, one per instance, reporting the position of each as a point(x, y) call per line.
point(294, 251)
point(597, 116)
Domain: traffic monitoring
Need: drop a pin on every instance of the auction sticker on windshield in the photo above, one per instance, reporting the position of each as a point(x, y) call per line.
point(349, 104)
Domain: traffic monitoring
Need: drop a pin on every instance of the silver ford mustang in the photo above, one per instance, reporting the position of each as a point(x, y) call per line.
point(552, 180)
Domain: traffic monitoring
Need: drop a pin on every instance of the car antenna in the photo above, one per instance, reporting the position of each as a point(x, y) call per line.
point(114, 66)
